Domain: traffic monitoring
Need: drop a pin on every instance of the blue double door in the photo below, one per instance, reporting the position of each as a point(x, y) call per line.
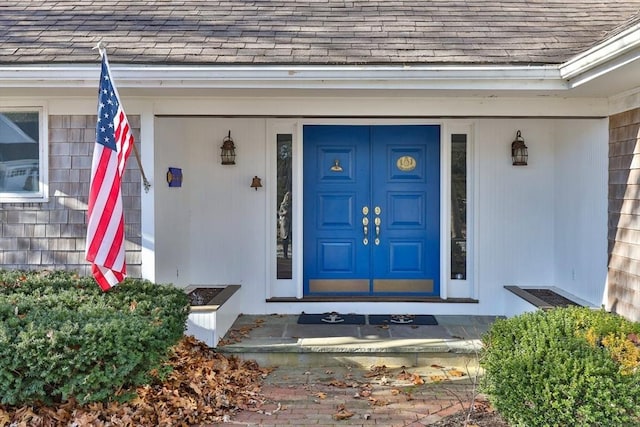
point(371, 212)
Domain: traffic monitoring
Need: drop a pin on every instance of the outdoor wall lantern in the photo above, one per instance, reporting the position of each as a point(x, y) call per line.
point(519, 153)
point(256, 183)
point(228, 151)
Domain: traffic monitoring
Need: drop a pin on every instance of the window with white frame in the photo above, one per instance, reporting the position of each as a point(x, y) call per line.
point(285, 205)
point(23, 154)
point(459, 206)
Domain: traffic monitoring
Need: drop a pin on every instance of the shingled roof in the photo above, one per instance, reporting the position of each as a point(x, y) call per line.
point(283, 32)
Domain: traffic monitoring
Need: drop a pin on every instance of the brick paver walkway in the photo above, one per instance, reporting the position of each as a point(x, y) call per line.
point(356, 397)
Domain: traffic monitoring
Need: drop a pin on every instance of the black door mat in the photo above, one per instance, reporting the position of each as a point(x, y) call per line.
point(331, 319)
point(551, 298)
point(402, 319)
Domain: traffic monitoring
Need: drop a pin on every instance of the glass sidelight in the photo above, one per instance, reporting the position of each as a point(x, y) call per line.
point(284, 202)
point(459, 206)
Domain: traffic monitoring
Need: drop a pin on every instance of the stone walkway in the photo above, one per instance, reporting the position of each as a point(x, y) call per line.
point(348, 396)
point(355, 375)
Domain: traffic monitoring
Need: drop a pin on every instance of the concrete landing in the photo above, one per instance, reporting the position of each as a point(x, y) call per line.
point(278, 340)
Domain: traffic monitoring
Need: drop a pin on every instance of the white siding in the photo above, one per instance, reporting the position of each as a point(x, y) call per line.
point(212, 229)
point(542, 224)
point(515, 207)
point(581, 165)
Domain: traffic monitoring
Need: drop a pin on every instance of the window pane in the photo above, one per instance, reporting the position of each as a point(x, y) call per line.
point(19, 152)
point(284, 203)
point(459, 206)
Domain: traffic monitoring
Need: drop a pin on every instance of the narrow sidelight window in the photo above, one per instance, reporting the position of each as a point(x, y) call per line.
point(284, 203)
point(459, 206)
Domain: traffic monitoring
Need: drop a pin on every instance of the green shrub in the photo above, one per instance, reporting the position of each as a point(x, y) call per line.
point(62, 337)
point(569, 366)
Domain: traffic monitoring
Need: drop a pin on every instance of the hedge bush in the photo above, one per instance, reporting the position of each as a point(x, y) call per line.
point(62, 337)
point(566, 366)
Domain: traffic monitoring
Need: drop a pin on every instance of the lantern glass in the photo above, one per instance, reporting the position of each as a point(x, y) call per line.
point(519, 151)
point(228, 151)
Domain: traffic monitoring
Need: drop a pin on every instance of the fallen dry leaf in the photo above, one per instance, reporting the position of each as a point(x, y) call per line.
point(404, 375)
point(236, 335)
point(365, 393)
point(338, 383)
point(376, 371)
point(321, 395)
point(5, 418)
point(456, 373)
point(378, 402)
point(438, 378)
point(417, 379)
point(342, 414)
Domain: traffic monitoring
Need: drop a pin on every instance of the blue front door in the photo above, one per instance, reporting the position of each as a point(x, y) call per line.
point(371, 210)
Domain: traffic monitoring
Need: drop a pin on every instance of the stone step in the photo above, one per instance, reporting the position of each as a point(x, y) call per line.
point(278, 340)
point(428, 362)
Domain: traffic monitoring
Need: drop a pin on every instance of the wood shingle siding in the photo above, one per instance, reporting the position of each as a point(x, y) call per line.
point(52, 235)
point(624, 214)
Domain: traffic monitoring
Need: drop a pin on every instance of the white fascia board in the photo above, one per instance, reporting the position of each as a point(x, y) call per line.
point(602, 58)
point(291, 77)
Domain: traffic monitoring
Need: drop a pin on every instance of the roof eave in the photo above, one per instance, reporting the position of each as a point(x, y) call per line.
point(611, 54)
point(448, 77)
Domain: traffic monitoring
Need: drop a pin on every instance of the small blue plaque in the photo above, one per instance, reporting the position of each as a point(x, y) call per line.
point(174, 177)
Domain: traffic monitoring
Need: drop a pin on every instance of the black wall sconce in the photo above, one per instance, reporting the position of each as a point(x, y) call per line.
point(519, 151)
point(228, 151)
point(256, 183)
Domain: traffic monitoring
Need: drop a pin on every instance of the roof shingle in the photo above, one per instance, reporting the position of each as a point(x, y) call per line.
point(308, 32)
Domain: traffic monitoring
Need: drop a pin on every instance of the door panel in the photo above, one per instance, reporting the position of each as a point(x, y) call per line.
point(336, 164)
point(408, 195)
point(371, 209)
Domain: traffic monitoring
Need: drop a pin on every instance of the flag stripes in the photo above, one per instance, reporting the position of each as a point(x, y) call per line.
point(105, 247)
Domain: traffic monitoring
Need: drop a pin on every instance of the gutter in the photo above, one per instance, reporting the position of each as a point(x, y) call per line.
point(616, 52)
point(544, 77)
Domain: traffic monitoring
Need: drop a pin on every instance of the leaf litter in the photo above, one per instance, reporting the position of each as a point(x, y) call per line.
point(202, 387)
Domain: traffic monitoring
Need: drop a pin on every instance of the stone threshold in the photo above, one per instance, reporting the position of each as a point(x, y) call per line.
point(356, 298)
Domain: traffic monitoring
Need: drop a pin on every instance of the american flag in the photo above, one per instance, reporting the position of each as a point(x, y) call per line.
point(105, 222)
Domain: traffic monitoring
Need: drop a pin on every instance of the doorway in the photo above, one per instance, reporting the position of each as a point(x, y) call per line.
point(371, 210)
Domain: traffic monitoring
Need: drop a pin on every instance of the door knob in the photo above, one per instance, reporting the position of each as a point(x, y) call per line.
point(365, 225)
point(377, 221)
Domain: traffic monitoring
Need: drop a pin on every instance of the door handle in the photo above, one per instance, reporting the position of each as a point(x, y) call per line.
point(365, 225)
point(377, 221)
